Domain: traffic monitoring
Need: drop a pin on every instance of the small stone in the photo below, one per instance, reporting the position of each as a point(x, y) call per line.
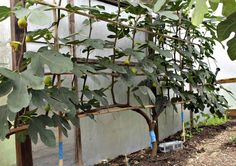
point(136, 162)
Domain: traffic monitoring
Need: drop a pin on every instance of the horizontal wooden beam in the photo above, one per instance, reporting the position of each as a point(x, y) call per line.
point(227, 80)
point(231, 113)
point(98, 111)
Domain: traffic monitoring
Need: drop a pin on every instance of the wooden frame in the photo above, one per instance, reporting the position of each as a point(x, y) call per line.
point(23, 150)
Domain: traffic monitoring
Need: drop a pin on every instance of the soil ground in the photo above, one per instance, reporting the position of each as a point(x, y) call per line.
point(211, 146)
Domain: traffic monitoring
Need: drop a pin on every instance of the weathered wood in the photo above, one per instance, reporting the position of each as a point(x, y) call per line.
point(191, 112)
point(78, 143)
point(98, 111)
point(231, 113)
point(17, 34)
point(227, 80)
point(23, 150)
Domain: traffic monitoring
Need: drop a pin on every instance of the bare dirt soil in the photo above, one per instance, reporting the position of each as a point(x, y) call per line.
point(212, 146)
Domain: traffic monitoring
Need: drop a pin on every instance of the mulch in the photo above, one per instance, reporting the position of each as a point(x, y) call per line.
point(194, 153)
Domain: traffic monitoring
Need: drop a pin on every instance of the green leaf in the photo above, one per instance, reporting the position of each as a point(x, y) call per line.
point(158, 5)
point(5, 87)
point(147, 91)
point(5, 114)
point(200, 10)
point(95, 43)
point(139, 55)
point(32, 80)
point(22, 12)
point(4, 12)
point(232, 48)
point(213, 5)
point(41, 98)
point(62, 123)
point(100, 96)
point(224, 29)
point(139, 100)
point(56, 62)
point(169, 14)
point(36, 127)
point(19, 97)
point(38, 17)
point(64, 95)
point(80, 69)
point(229, 6)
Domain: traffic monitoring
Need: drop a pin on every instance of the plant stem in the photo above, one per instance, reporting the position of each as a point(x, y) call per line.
point(88, 53)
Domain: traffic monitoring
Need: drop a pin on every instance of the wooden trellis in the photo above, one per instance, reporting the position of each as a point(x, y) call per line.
point(24, 150)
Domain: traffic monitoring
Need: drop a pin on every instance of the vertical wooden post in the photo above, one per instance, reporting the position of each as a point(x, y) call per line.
point(78, 144)
point(155, 92)
point(23, 149)
point(17, 34)
point(24, 153)
point(191, 112)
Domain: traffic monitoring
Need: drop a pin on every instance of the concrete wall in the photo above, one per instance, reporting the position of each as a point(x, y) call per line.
point(108, 135)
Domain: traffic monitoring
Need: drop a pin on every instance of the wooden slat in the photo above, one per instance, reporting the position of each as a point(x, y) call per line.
point(23, 149)
point(230, 112)
point(227, 80)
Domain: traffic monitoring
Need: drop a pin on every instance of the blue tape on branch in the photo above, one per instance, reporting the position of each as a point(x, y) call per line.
point(60, 152)
point(152, 137)
point(182, 116)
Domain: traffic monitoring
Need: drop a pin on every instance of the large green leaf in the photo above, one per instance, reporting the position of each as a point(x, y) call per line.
point(95, 43)
point(229, 6)
point(5, 114)
point(42, 97)
point(232, 48)
point(19, 97)
point(62, 123)
point(139, 55)
point(169, 14)
point(224, 29)
point(56, 62)
point(37, 126)
point(22, 12)
point(4, 12)
point(38, 17)
point(60, 99)
point(65, 96)
point(200, 10)
point(147, 91)
point(5, 87)
point(158, 5)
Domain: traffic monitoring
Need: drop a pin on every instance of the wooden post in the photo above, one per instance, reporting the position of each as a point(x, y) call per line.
point(182, 120)
point(78, 144)
point(155, 92)
point(23, 150)
point(17, 34)
point(191, 112)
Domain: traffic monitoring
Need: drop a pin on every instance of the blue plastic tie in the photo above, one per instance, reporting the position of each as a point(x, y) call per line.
point(182, 116)
point(152, 137)
point(60, 153)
